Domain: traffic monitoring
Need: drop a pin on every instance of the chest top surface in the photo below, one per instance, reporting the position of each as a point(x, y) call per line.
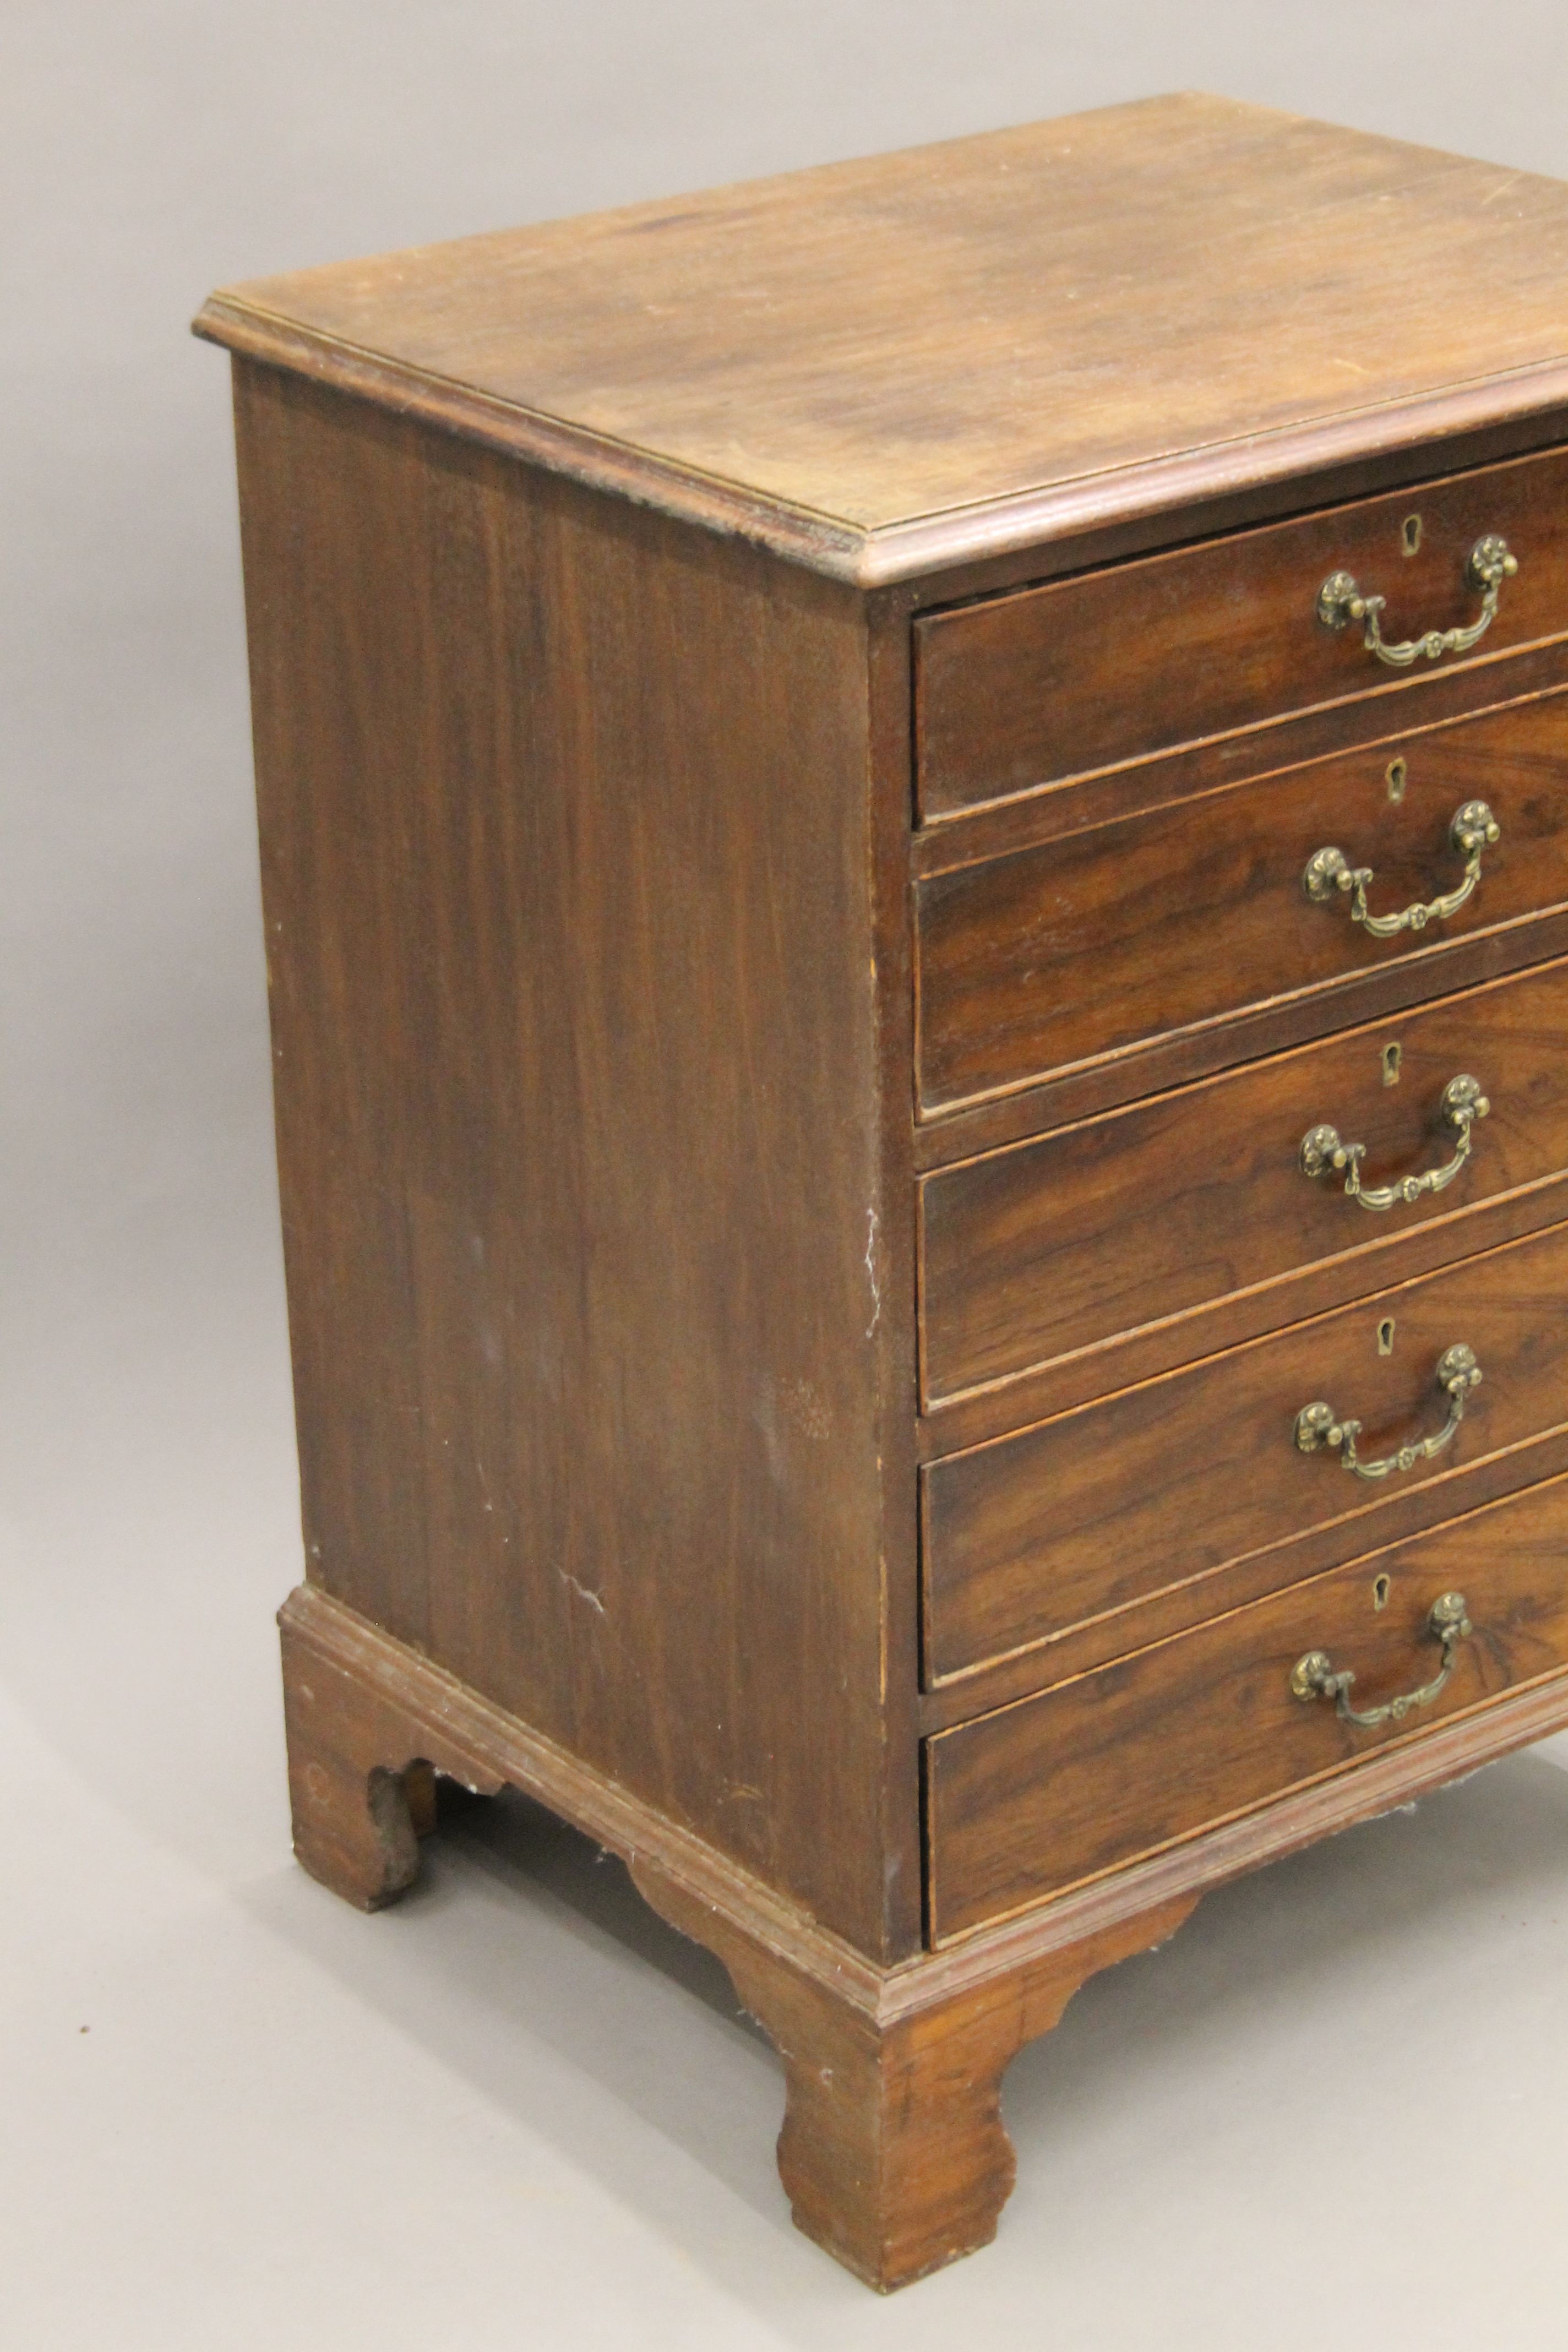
point(1036, 324)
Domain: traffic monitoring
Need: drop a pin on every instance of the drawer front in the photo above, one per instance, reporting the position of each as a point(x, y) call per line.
point(1167, 922)
point(1094, 1513)
point(1043, 1249)
point(1042, 1795)
point(1048, 683)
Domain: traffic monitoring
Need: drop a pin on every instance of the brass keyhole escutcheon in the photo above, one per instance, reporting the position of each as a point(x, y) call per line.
point(1392, 1057)
point(1410, 535)
point(1386, 1336)
point(1395, 774)
point(1380, 1591)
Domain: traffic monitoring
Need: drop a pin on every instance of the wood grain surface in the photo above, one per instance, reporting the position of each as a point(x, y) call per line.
point(569, 921)
point(1093, 1776)
point(364, 1704)
point(893, 2151)
point(1170, 1484)
point(1149, 1214)
point(1055, 682)
point(1195, 913)
point(999, 828)
point(582, 566)
point(952, 331)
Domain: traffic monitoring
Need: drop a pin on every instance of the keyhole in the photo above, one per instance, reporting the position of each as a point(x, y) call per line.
point(1410, 534)
point(1380, 1591)
point(1395, 773)
point(1386, 1336)
point(1392, 1056)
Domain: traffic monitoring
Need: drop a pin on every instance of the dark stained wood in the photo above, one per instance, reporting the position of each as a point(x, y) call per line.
point(568, 925)
point(890, 366)
point(999, 828)
point(984, 556)
point(892, 2152)
point(1093, 1513)
point(359, 1793)
point(1397, 1773)
point(892, 1249)
point(584, 570)
point(1102, 1771)
point(390, 1709)
point(1173, 921)
point(1167, 1063)
point(359, 1703)
point(1150, 1215)
point(976, 1415)
point(1098, 1641)
point(1056, 682)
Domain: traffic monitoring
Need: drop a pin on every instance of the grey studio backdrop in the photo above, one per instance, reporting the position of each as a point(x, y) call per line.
point(517, 2111)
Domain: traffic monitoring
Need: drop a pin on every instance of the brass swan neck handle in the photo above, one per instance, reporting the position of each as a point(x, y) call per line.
point(1314, 1676)
point(1340, 600)
point(1472, 831)
point(1317, 1425)
point(1324, 1151)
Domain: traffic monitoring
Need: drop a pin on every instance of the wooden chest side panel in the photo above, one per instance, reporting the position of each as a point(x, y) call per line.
point(566, 846)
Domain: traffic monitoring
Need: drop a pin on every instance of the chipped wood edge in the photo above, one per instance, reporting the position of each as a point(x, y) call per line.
point(479, 1742)
point(921, 545)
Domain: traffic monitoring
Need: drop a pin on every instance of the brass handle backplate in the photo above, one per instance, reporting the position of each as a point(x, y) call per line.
point(1329, 872)
point(1340, 601)
point(1324, 1152)
point(1313, 1676)
point(1458, 1375)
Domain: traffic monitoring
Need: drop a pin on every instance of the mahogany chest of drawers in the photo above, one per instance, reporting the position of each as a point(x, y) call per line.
point(916, 878)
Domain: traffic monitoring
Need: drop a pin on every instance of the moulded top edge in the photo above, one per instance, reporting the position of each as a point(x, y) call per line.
point(887, 368)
